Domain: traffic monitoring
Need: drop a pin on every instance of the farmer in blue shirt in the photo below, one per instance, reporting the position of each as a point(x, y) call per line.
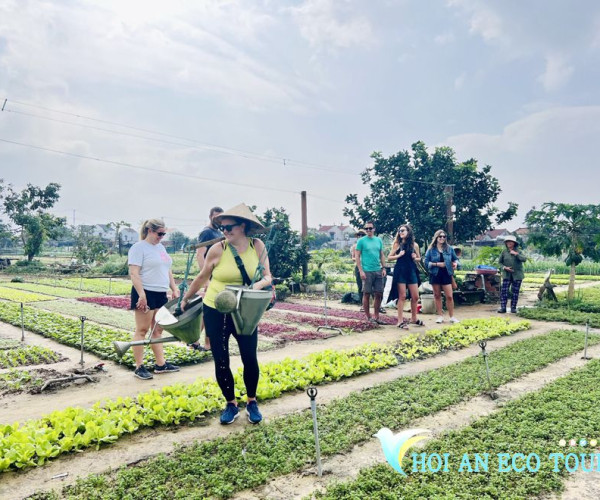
point(371, 266)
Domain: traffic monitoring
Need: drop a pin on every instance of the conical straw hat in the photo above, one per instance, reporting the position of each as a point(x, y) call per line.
point(241, 211)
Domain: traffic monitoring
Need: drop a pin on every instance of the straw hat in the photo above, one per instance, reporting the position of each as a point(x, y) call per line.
point(242, 212)
point(510, 237)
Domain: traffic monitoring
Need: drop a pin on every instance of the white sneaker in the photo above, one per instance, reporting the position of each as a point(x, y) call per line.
point(440, 319)
point(454, 320)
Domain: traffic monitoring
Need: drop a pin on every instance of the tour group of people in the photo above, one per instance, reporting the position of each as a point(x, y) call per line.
point(441, 260)
point(223, 263)
point(150, 268)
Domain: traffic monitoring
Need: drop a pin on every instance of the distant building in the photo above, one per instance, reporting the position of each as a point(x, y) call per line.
point(341, 236)
point(522, 233)
point(491, 238)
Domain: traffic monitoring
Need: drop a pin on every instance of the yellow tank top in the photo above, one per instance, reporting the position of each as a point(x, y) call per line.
point(226, 272)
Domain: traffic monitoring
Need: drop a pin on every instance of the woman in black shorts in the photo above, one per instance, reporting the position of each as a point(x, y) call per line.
point(406, 253)
point(151, 275)
point(440, 260)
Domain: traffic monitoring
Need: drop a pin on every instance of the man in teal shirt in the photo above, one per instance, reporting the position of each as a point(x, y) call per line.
point(371, 266)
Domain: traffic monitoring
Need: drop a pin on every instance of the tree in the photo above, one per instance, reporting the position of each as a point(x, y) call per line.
point(287, 253)
point(27, 211)
point(178, 239)
point(418, 188)
point(559, 228)
point(117, 226)
point(89, 248)
point(317, 239)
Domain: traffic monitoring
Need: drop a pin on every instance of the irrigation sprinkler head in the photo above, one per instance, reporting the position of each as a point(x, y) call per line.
point(482, 344)
point(312, 393)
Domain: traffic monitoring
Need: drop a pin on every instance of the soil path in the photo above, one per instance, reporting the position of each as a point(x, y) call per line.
point(144, 444)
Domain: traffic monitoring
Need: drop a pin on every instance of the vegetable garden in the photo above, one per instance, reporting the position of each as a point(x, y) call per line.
point(368, 377)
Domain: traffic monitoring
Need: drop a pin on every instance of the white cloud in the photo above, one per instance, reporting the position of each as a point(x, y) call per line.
point(459, 81)
point(558, 72)
point(205, 48)
point(547, 155)
point(325, 25)
point(483, 20)
point(444, 38)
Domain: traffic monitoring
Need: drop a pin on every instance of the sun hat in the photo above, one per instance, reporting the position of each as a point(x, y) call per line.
point(510, 237)
point(243, 212)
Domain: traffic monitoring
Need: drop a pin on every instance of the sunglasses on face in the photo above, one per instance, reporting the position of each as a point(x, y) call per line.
point(442, 236)
point(401, 230)
point(160, 233)
point(369, 228)
point(228, 227)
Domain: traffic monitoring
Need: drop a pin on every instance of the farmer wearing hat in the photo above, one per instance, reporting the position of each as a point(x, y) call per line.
point(237, 225)
point(511, 265)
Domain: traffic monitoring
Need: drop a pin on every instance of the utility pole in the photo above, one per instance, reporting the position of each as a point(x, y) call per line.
point(449, 192)
point(304, 231)
point(73, 217)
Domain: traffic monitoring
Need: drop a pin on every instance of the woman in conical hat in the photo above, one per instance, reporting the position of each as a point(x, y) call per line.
point(237, 224)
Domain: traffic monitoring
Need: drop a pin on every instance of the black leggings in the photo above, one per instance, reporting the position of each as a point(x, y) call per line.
point(219, 327)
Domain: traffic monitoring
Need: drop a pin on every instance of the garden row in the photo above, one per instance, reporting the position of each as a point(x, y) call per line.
point(532, 426)
point(27, 355)
point(585, 307)
point(223, 466)
point(34, 442)
point(97, 339)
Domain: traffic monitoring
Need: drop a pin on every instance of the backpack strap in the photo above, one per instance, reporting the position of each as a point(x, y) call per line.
point(238, 260)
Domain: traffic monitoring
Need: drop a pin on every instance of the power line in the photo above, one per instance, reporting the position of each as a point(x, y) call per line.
point(211, 147)
point(147, 169)
point(200, 145)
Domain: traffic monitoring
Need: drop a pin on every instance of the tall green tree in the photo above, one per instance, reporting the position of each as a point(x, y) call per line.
point(418, 187)
point(558, 229)
point(27, 210)
point(287, 253)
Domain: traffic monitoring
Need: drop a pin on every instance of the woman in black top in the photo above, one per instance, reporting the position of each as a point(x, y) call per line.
point(406, 252)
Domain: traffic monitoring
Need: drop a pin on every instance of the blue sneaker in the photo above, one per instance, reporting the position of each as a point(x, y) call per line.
point(142, 372)
point(254, 415)
point(166, 368)
point(229, 414)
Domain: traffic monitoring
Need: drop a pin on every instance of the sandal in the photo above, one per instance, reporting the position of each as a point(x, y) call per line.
point(418, 323)
point(198, 347)
point(403, 325)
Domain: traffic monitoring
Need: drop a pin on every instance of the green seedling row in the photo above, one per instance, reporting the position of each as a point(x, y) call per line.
point(20, 296)
point(566, 409)
point(36, 441)
point(97, 339)
point(223, 466)
point(27, 355)
point(54, 291)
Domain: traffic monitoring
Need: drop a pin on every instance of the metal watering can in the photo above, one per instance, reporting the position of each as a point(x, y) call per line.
point(184, 328)
point(250, 307)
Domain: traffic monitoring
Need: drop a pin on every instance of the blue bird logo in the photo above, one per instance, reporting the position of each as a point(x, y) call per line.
point(395, 447)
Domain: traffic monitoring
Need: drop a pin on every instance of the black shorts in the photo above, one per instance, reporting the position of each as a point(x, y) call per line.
point(441, 278)
point(155, 300)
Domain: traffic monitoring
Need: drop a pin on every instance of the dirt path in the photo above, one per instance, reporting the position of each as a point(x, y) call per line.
point(346, 467)
point(147, 443)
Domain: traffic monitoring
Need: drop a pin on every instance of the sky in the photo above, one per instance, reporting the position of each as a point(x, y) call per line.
point(146, 108)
